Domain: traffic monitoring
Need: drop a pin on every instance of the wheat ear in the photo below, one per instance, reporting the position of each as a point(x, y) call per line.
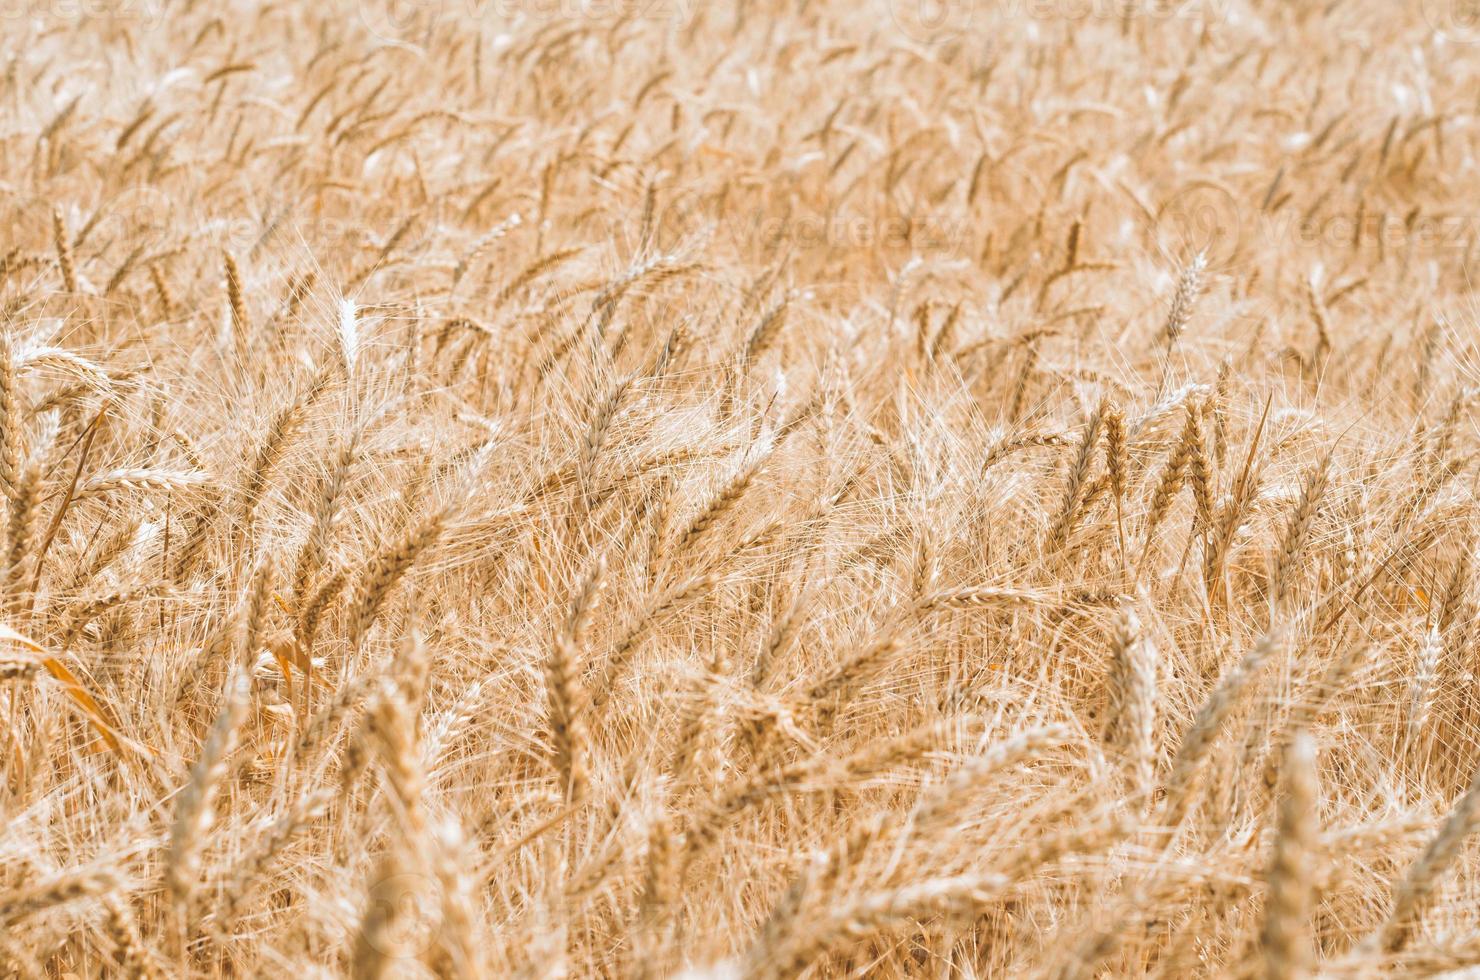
point(1208, 722)
point(567, 704)
point(64, 251)
point(1413, 894)
point(195, 808)
point(1287, 912)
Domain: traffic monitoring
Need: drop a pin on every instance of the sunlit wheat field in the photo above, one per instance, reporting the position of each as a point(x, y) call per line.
point(665, 489)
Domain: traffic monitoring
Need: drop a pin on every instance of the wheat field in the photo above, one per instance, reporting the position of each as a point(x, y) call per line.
point(647, 488)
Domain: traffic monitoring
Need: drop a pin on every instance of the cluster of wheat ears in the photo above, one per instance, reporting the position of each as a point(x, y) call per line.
point(738, 490)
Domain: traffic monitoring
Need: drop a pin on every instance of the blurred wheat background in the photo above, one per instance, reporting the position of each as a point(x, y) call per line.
point(645, 488)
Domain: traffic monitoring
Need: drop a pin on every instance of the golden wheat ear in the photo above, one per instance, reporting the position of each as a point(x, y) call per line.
point(1288, 944)
point(568, 705)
